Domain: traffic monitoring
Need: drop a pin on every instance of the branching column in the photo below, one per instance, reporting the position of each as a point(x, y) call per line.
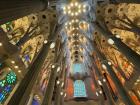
point(60, 83)
point(131, 55)
point(50, 88)
point(122, 92)
point(14, 9)
point(105, 87)
point(26, 85)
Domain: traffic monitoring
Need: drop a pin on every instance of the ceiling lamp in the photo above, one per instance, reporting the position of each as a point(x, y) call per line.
point(69, 7)
point(13, 62)
point(72, 21)
point(16, 67)
point(0, 44)
point(76, 20)
point(79, 10)
point(72, 14)
point(76, 4)
point(19, 71)
point(76, 13)
point(84, 6)
point(84, 10)
point(71, 4)
point(74, 9)
point(69, 12)
point(79, 6)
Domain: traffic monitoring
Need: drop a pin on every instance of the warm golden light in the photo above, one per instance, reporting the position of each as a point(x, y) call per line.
point(74, 9)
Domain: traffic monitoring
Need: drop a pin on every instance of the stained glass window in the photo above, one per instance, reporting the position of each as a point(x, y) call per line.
point(79, 89)
point(77, 67)
point(2, 97)
point(11, 77)
point(6, 85)
point(2, 83)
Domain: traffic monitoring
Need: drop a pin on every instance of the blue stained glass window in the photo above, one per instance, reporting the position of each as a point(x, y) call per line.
point(35, 102)
point(27, 57)
point(2, 97)
point(77, 67)
point(79, 89)
point(8, 88)
point(6, 85)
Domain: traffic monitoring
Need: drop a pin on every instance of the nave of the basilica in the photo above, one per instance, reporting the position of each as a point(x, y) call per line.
point(70, 52)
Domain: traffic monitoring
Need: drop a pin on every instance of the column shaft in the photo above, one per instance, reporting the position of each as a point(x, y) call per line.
point(131, 55)
point(57, 97)
point(50, 88)
point(26, 85)
point(105, 87)
point(122, 92)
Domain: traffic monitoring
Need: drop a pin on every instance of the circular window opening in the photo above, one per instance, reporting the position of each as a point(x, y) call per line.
point(115, 31)
point(95, 33)
point(44, 16)
point(103, 41)
point(98, 11)
point(33, 17)
point(121, 9)
point(53, 51)
point(76, 56)
point(54, 15)
point(107, 22)
point(76, 52)
point(76, 60)
point(47, 27)
point(109, 10)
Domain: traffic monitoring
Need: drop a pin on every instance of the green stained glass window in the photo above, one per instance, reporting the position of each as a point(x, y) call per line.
point(11, 78)
point(2, 83)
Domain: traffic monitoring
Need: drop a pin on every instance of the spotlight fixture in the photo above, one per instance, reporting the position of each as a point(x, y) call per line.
point(110, 41)
point(118, 36)
point(53, 66)
point(45, 41)
point(16, 67)
point(19, 71)
point(58, 82)
point(61, 93)
point(97, 94)
point(13, 62)
point(52, 45)
point(58, 69)
point(103, 66)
